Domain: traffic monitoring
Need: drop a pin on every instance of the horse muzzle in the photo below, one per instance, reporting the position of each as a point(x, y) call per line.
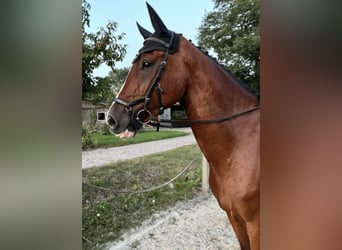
point(121, 123)
point(112, 122)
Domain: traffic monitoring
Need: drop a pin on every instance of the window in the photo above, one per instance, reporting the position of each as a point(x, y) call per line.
point(101, 116)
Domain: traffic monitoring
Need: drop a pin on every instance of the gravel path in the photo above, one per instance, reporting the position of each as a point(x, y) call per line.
point(193, 224)
point(98, 157)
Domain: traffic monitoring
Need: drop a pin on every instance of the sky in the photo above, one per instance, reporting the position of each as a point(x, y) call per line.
point(181, 16)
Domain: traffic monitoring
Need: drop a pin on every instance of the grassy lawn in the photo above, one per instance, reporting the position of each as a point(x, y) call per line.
point(102, 141)
point(107, 215)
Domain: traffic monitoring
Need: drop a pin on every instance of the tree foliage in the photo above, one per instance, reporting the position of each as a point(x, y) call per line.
point(117, 77)
point(102, 91)
point(109, 86)
point(104, 46)
point(231, 30)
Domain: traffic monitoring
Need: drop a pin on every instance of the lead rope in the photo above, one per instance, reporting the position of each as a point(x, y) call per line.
point(145, 190)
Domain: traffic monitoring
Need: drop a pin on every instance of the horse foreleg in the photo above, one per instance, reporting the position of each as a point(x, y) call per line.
point(240, 230)
point(253, 230)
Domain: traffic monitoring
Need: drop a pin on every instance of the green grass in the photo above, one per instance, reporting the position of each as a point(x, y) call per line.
point(103, 141)
point(107, 215)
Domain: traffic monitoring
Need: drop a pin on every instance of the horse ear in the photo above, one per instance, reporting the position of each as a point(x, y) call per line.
point(145, 33)
point(157, 23)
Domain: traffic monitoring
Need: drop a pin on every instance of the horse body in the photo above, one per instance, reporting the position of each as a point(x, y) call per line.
point(232, 147)
point(208, 92)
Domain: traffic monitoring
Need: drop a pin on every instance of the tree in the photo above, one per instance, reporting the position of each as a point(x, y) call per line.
point(108, 87)
point(117, 77)
point(101, 47)
point(102, 91)
point(232, 32)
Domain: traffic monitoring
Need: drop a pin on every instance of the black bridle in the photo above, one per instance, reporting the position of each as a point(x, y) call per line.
point(144, 115)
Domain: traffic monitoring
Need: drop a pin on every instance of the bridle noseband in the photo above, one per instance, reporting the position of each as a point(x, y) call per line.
point(144, 115)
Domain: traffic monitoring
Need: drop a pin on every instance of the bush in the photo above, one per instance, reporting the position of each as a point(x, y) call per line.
point(87, 142)
point(105, 130)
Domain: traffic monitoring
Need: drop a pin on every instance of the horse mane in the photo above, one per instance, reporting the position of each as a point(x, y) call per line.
point(226, 69)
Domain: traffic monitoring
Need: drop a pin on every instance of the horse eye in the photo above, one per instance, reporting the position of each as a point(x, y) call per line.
point(146, 64)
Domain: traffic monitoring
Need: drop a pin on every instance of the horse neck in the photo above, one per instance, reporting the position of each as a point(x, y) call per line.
point(212, 92)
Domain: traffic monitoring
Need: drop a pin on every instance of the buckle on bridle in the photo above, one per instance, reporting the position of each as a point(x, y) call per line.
point(128, 109)
point(143, 116)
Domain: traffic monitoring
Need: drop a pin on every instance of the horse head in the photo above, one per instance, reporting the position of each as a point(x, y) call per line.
point(155, 81)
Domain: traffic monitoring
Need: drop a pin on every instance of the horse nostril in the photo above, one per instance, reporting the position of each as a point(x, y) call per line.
point(112, 122)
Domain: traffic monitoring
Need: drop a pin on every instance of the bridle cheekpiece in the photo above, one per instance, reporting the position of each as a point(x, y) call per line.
point(144, 116)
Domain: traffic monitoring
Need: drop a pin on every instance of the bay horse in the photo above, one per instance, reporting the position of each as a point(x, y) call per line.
point(170, 69)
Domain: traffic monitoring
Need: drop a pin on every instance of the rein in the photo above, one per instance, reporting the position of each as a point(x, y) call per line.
point(187, 122)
